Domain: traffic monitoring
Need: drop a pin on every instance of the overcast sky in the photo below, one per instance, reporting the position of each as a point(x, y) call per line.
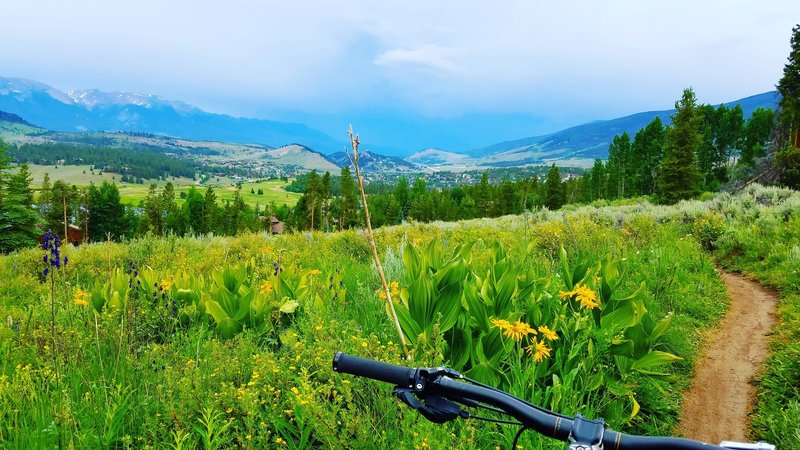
point(538, 66)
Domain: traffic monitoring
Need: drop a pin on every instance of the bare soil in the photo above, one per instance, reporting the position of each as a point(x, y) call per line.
point(716, 407)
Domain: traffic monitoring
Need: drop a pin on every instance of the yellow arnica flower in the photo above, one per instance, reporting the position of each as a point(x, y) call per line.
point(501, 323)
point(583, 294)
point(166, 284)
point(538, 350)
point(266, 288)
point(548, 334)
point(81, 297)
point(518, 330)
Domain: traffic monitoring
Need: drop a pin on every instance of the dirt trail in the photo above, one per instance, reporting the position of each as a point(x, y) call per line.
point(716, 406)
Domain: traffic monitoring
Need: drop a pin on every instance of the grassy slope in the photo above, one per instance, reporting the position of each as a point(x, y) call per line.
point(284, 393)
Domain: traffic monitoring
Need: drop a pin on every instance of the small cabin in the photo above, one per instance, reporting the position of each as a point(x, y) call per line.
point(275, 225)
point(75, 235)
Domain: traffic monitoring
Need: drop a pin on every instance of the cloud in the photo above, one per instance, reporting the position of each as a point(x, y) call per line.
point(430, 57)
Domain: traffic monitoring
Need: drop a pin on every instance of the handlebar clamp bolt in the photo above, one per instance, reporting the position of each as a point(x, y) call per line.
point(419, 386)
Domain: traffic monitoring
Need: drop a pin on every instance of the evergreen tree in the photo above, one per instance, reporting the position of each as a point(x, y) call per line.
point(325, 198)
point(348, 199)
point(678, 176)
point(554, 191)
point(18, 220)
point(210, 212)
point(107, 218)
point(789, 88)
point(313, 197)
point(508, 200)
point(482, 194)
point(401, 194)
point(788, 159)
point(173, 219)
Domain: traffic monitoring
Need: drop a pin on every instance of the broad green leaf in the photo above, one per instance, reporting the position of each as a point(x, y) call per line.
point(289, 306)
point(654, 359)
point(409, 326)
point(661, 327)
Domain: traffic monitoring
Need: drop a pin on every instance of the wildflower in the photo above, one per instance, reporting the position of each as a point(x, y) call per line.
point(583, 294)
point(280, 441)
point(166, 284)
point(549, 334)
point(81, 297)
point(501, 323)
point(314, 272)
point(538, 350)
point(266, 288)
point(518, 330)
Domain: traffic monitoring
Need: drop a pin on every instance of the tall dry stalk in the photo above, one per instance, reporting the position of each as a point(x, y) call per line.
point(371, 239)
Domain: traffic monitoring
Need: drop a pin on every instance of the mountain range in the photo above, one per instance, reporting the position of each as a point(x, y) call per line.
point(96, 111)
point(93, 110)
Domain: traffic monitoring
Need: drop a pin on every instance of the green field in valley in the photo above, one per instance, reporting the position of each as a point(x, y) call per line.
point(133, 193)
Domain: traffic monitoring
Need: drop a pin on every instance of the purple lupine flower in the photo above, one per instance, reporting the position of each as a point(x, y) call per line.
point(66, 260)
point(44, 258)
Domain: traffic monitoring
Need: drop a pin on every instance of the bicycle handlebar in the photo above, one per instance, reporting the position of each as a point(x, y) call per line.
point(438, 381)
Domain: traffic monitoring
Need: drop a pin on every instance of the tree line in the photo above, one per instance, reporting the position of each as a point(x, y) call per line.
point(131, 163)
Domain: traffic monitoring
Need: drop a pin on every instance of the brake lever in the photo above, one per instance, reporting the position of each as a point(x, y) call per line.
point(432, 407)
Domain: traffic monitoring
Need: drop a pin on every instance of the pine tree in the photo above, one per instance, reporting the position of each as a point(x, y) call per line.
point(788, 159)
point(18, 220)
point(210, 212)
point(348, 200)
point(678, 176)
point(554, 189)
point(402, 196)
point(789, 88)
point(325, 198)
point(107, 218)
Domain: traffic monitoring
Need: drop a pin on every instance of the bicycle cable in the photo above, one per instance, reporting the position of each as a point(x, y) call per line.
point(536, 407)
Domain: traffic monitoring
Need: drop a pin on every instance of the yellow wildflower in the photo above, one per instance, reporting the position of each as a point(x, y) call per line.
point(583, 294)
point(81, 297)
point(549, 334)
point(314, 272)
point(266, 288)
point(519, 330)
point(501, 323)
point(587, 297)
point(381, 293)
point(538, 350)
point(280, 441)
point(166, 284)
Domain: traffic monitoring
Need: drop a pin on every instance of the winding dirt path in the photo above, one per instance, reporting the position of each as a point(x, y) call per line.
point(716, 407)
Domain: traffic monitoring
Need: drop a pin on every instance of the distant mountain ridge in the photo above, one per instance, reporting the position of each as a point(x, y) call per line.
point(591, 140)
point(94, 110)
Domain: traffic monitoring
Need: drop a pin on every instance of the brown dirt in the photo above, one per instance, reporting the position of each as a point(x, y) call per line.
point(716, 407)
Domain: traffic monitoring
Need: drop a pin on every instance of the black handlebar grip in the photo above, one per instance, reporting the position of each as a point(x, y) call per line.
point(363, 367)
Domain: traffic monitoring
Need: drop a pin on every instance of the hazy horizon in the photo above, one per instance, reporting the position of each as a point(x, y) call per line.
point(410, 73)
